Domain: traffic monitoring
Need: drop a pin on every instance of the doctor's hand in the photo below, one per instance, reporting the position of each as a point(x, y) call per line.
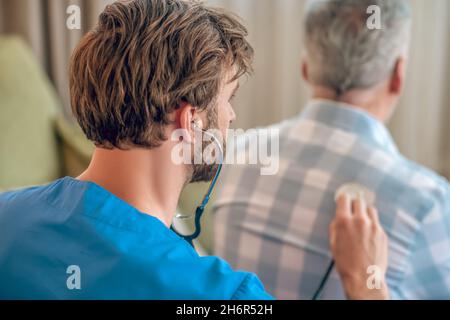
point(360, 250)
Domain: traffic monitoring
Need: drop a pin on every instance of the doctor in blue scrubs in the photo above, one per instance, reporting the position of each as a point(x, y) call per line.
point(149, 70)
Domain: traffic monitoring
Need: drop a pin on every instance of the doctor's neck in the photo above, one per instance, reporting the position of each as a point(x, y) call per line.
point(146, 179)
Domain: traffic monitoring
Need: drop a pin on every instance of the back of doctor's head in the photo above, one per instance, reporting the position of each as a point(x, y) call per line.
point(346, 49)
point(144, 59)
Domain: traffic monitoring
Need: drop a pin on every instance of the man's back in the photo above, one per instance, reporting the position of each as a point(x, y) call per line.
point(75, 240)
point(277, 226)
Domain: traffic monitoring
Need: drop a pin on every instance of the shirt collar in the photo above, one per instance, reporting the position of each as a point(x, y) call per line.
point(350, 119)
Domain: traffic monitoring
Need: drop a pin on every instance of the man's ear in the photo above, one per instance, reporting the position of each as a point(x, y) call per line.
point(305, 71)
point(185, 117)
point(398, 77)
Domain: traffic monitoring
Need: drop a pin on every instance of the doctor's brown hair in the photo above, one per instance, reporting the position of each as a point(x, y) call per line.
point(146, 57)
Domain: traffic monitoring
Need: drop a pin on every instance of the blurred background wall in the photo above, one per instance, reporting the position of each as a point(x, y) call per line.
point(276, 91)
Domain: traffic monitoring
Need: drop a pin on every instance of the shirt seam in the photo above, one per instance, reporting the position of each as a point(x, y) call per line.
point(241, 288)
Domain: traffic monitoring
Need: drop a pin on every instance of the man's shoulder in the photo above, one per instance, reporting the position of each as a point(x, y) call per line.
point(207, 277)
point(425, 181)
point(19, 195)
point(426, 178)
point(31, 194)
point(235, 284)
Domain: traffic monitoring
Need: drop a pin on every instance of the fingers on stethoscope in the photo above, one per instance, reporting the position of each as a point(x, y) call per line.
point(359, 208)
point(343, 206)
point(372, 212)
point(348, 207)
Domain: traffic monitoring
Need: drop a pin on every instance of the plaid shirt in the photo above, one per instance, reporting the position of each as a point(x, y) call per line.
point(277, 226)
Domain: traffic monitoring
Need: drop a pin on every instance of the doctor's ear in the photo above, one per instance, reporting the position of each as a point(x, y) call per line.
point(188, 121)
point(305, 70)
point(185, 115)
point(197, 124)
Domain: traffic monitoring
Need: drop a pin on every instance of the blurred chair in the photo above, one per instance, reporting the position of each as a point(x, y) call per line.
point(76, 150)
point(37, 144)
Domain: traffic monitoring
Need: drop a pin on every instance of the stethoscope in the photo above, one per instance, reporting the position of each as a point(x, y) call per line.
point(318, 293)
point(201, 208)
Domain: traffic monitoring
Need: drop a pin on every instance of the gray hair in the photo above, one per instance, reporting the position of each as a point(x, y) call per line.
point(343, 53)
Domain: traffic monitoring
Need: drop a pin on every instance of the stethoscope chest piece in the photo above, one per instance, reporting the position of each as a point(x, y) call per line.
point(356, 191)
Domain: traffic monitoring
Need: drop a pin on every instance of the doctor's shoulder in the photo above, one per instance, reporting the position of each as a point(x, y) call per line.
point(207, 278)
point(18, 195)
point(220, 281)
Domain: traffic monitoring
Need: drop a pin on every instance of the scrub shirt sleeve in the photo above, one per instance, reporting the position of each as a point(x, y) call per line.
point(251, 289)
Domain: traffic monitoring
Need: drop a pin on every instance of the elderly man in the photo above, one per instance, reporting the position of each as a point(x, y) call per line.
point(277, 226)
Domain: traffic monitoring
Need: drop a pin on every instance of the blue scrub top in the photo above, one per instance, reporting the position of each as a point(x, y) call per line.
point(75, 240)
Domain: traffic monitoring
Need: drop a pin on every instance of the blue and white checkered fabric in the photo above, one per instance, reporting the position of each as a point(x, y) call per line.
point(277, 226)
